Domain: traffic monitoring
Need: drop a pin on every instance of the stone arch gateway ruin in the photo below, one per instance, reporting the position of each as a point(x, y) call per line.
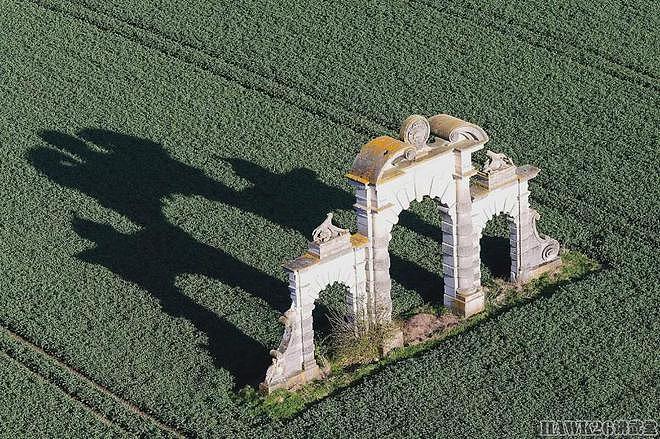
point(432, 158)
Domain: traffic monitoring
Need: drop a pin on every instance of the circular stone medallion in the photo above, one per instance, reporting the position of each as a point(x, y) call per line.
point(415, 130)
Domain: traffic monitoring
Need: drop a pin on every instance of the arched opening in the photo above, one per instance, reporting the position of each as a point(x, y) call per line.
point(495, 249)
point(330, 309)
point(416, 258)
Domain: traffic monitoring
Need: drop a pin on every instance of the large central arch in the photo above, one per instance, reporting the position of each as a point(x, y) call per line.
point(388, 174)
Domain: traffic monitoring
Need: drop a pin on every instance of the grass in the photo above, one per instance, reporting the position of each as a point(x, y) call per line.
point(29, 403)
point(159, 160)
point(502, 294)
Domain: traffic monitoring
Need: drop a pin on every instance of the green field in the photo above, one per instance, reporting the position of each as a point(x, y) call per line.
point(160, 160)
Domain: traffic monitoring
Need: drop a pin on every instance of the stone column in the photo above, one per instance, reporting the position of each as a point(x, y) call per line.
point(515, 241)
point(306, 306)
point(362, 206)
point(294, 345)
point(289, 367)
point(522, 236)
point(476, 262)
point(449, 262)
point(382, 283)
point(460, 245)
point(372, 223)
point(356, 297)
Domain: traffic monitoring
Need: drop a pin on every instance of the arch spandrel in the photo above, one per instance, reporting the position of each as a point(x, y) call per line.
point(433, 180)
point(321, 276)
point(502, 200)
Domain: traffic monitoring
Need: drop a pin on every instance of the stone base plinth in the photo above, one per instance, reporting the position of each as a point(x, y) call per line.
point(494, 179)
point(531, 273)
point(335, 245)
point(299, 379)
point(466, 304)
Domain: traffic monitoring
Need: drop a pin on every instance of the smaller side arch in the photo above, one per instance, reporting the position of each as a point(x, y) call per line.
point(340, 258)
point(531, 252)
point(504, 200)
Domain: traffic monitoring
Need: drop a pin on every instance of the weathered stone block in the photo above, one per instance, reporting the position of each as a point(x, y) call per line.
point(531, 273)
point(392, 340)
point(302, 377)
point(466, 304)
point(448, 271)
point(448, 260)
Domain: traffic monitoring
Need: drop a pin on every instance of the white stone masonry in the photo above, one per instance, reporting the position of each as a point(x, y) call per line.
point(432, 158)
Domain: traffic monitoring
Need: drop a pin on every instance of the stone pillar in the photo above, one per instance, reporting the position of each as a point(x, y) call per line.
point(449, 262)
point(476, 262)
point(291, 363)
point(356, 297)
point(306, 307)
point(372, 223)
point(515, 241)
point(293, 323)
point(362, 206)
point(460, 245)
point(525, 239)
point(381, 281)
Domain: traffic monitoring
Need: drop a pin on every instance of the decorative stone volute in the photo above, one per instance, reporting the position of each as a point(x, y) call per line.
point(415, 130)
point(498, 170)
point(328, 239)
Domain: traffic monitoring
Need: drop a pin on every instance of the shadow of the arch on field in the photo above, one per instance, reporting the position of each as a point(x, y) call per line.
point(295, 200)
point(429, 285)
point(132, 176)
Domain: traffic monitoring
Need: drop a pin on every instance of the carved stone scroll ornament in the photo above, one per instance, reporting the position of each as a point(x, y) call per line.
point(497, 161)
point(327, 231)
point(544, 248)
point(278, 371)
point(415, 130)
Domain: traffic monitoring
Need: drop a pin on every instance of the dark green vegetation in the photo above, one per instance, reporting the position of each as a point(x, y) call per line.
point(33, 407)
point(159, 160)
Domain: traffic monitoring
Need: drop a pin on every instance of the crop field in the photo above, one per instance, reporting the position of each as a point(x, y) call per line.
point(159, 160)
